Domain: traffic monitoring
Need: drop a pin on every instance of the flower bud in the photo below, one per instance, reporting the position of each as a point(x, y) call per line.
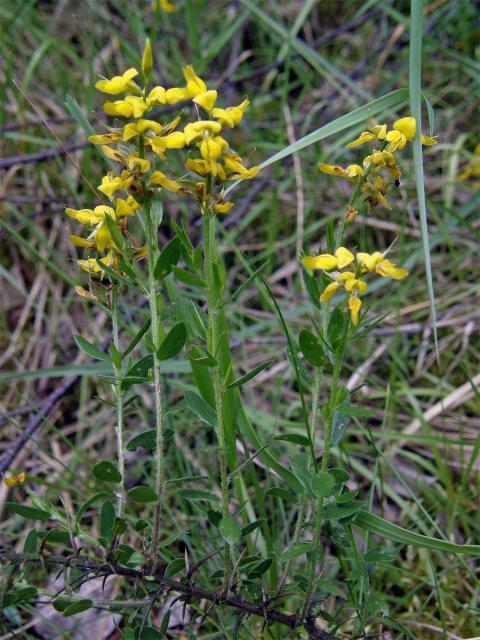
point(147, 60)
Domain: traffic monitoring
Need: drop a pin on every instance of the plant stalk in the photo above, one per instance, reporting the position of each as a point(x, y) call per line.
point(324, 467)
point(159, 417)
point(213, 343)
point(119, 402)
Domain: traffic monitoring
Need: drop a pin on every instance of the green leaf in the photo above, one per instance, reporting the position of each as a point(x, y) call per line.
point(188, 278)
point(202, 357)
point(230, 530)
point(168, 258)
point(30, 513)
point(340, 475)
point(61, 603)
point(145, 440)
point(282, 494)
point(252, 526)
point(173, 342)
point(106, 471)
point(195, 494)
point(138, 373)
point(31, 542)
point(18, 595)
point(296, 438)
point(334, 512)
point(339, 426)
point(115, 232)
point(336, 328)
point(139, 335)
point(323, 484)
point(251, 374)
point(351, 410)
point(300, 469)
point(174, 567)
point(375, 524)
point(91, 350)
point(415, 86)
point(78, 607)
point(311, 348)
point(200, 408)
point(107, 521)
point(142, 494)
point(151, 633)
point(115, 355)
point(295, 551)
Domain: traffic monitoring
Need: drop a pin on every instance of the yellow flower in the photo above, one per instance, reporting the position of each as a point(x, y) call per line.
point(195, 85)
point(377, 132)
point(133, 129)
point(230, 116)
point(159, 178)
point(403, 132)
point(112, 183)
point(236, 169)
point(368, 261)
point(135, 162)
point(472, 168)
point(365, 136)
point(330, 290)
point(14, 480)
point(354, 171)
point(147, 59)
point(106, 138)
point(206, 100)
point(342, 258)
point(91, 265)
point(428, 141)
point(388, 269)
point(130, 106)
point(164, 5)
point(198, 129)
point(355, 284)
point(331, 169)
point(78, 241)
point(222, 207)
point(354, 304)
point(119, 84)
point(175, 140)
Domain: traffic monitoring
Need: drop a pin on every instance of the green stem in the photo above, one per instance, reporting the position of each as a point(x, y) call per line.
point(356, 192)
point(324, 467)
point(119, 402)
point(159, 417)
point(213, 344)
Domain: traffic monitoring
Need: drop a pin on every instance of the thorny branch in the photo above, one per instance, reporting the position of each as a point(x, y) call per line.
point(186, 589)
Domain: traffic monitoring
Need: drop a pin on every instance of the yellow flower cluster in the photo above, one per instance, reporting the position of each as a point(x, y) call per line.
point(472, 168)
point(141, 143)
point(403, 131)
point(352, 280)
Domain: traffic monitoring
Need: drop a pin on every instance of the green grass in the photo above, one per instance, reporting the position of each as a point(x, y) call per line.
point(422, 478)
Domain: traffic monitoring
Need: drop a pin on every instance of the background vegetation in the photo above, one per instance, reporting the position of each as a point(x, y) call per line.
point(416, 459)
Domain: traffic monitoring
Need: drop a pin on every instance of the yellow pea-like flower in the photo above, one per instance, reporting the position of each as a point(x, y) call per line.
point(106, 138)
point(365, 136)
point(15, 480)
point(369, 261)
point(330, 290)
point(323, 261)
point(195, 85)
point(118, 84)
point(197, 129)
point(160, 179)
point(354, 304)
point(222, 207)
point(230, 116)
point(388, 269)
point(331, 169)
point(206, 100)
point(344, 257)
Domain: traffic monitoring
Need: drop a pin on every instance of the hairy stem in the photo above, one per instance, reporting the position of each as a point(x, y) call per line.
point(213, 301)
point(303, 505)
point(324, 467)
point(117, 388)
point(159, 418)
